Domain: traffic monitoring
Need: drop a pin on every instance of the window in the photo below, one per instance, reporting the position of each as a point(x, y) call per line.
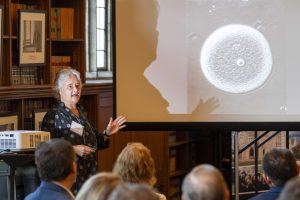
point(98, 28)
point(101, 30)
point(251, 153)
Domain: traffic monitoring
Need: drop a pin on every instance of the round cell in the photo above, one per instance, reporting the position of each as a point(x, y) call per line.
point(236, 58)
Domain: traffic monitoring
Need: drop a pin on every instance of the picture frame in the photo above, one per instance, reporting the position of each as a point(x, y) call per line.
point(9, 121)
point(250, 161)
point(32, 37)
point(38, 115)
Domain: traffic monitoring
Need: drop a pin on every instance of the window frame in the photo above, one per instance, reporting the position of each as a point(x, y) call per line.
point(96, 72)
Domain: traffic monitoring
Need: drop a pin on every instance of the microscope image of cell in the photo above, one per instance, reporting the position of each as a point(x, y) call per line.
point(236, 58)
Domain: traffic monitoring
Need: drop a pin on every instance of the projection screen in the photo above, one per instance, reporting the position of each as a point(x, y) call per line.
point(203, 61)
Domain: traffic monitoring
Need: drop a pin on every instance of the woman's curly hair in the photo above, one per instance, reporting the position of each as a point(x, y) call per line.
point(135, 164)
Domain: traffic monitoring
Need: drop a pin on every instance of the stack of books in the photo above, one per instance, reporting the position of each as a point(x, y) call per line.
point(58, 63)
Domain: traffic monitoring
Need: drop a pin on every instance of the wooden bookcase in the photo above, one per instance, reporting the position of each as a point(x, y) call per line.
point(22, 96)
point(23, 89)
point(72, 47)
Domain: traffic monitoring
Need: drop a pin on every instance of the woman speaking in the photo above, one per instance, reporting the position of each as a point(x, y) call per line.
point(68, 120)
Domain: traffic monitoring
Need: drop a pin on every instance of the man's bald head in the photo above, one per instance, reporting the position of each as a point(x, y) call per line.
point(204, 182)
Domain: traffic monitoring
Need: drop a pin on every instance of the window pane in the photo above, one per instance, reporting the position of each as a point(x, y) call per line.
point(100, 59)
point(100, 39)
point(101, 18)
point(100, 3)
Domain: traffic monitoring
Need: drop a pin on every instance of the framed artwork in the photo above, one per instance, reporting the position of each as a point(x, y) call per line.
point(32, 37)
point(9, 121)
point(38, 115)
point(250, 178)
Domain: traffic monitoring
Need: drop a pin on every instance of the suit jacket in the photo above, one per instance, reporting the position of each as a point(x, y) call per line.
point(272, 194)
point(49, 191)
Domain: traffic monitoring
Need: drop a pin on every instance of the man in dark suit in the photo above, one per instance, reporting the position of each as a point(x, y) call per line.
point(279, 166)
point(55, 161)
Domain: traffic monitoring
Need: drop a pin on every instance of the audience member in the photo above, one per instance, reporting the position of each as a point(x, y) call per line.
point(136, 165)
point(279, 166)
point(204, 182)
point(56, 165)
point(291, 190)
point(132, 191)
point(98, 186)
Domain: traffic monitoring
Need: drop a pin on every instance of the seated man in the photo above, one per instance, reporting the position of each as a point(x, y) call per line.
point(55, 161)
point(204, 182)
point(279, 166)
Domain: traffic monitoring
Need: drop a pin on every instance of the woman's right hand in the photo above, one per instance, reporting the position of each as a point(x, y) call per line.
point(83, 150)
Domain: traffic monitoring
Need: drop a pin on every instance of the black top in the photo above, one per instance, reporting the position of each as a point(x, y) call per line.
point(61, 123)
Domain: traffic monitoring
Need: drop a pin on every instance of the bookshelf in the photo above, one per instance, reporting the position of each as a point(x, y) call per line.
point(187, 149)
point(181, 157)
point(69, 44)
point(27, 88)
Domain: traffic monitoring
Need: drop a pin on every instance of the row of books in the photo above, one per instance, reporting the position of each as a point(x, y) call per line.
point(29, 75)
point(62, 23)
point(24, 76)
point(37, 104)
point(58, 63)
point(30, 106)
point(5, 106)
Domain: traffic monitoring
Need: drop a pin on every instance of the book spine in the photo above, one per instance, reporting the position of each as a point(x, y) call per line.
point(58, 23)
point(53, 22)
point(67, 23)
point(55, 67)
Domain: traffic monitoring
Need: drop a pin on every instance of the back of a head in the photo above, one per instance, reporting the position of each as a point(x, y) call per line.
point(135, 164)
point(98, 186)
point(291, 190)
point(132, 191)
point(204, 182)
point(280, 165)
point(54, 159)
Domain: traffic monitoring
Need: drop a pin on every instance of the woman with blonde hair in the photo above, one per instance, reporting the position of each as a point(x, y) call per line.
point(136, 165)
point(99, 186)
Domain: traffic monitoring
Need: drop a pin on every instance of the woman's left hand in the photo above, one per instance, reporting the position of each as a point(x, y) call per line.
point(115, 125)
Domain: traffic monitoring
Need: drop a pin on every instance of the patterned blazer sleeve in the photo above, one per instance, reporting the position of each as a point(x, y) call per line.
point(48, 124)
